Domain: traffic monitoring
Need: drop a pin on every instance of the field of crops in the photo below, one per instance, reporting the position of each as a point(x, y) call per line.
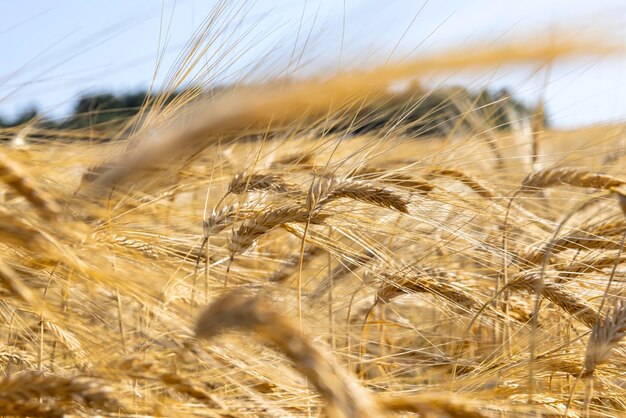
point(254, 253)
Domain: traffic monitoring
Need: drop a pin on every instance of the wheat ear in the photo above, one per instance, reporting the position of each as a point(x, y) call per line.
point(242, 182)
point(588, 237)
point(605, 336)
point(59, 391)
point(326, 190)
point(16, 178)
point(570, 176)
point(464, 178)
point(252, 229)
point(391, 177)
point(344, 396)
point(431, 281)
point(432, 405)
point(557, 294)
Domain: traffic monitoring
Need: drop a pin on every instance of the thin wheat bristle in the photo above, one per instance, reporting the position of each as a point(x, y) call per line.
point(290, 265)
point(338, 274)
point(596, 236)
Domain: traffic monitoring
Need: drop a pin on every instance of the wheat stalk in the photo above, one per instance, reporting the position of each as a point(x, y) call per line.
point(597, 236)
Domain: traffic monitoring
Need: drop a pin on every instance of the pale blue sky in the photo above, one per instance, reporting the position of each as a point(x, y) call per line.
point(53, 51)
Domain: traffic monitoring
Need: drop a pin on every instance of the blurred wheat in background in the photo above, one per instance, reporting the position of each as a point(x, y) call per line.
point(348, 244)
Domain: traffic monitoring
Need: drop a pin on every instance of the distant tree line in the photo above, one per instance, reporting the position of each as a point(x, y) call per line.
point(416, 110)
point(90, 110)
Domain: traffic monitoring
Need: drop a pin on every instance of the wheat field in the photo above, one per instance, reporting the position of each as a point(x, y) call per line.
point(251, 254)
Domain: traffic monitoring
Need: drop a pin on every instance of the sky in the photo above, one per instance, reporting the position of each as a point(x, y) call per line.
point(55, 51)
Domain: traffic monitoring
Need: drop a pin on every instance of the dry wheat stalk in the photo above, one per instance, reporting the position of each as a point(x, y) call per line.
point(16, 178)
point(594, 264)
point(605, 336)
point(10, 355)
point(142, 247)
point(571, 176)
point(343, 395)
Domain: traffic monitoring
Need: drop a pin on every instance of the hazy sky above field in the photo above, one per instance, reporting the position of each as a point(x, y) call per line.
point(52, 52)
